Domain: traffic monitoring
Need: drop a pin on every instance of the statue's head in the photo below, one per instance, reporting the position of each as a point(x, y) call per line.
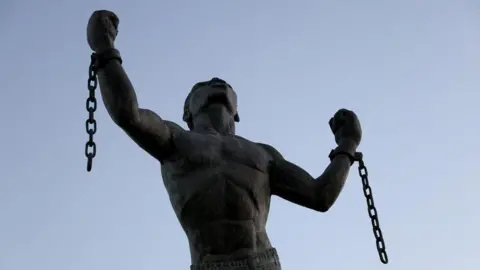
point(214, 99)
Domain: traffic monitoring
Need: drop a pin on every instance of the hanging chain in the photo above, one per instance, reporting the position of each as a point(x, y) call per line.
point(91, 123)
point(372, 211)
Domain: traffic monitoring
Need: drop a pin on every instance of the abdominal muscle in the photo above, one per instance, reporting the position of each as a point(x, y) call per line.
point(226, 240)
point(224, 217)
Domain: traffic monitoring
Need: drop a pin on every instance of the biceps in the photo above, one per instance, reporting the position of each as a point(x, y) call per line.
point(151, 133)
point(294, 184)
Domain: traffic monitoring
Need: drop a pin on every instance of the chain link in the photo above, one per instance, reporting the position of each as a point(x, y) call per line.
point(91, 123)
point(372, 211)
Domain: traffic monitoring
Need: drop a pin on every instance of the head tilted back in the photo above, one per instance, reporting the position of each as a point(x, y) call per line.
point(187, 115)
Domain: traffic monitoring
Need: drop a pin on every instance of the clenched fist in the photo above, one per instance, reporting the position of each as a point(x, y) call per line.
point(102, 30)
point(346, 127)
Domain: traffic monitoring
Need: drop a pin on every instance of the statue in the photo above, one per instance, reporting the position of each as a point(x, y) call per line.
point(219, 183)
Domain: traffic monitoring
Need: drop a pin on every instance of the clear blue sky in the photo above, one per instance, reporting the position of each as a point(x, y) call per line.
point(410, 69)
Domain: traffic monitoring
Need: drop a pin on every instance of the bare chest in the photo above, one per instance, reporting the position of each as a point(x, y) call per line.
point(211, 170)
point(214, 153)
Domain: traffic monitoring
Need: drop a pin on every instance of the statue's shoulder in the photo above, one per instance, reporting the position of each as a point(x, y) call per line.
point(178, 132)
point(179, 135)
point(174, 126)
point(271, 150)
point(265, 147)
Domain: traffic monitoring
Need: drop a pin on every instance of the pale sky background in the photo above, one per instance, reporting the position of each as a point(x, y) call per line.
point(410, 69)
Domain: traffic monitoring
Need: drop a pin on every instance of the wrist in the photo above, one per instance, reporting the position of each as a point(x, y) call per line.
point(104, 47)
point(348, 145)
point(345, 148)
point(106, 56)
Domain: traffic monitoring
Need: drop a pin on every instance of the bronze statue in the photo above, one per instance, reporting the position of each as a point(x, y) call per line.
point(219, 183)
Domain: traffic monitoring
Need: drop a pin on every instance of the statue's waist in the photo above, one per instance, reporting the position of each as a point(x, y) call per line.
point(266, 260)
point(226, 236)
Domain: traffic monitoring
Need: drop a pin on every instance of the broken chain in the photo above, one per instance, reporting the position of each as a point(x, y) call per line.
point(91, 104)
point(372, 211)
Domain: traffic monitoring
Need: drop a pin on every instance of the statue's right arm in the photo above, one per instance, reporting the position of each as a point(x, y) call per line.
point(145, 127)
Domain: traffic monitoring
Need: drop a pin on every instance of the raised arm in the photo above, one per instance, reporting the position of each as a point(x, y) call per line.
point(294, 184)
point(145, 127)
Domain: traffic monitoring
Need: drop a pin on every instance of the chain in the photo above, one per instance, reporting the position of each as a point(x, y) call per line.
point(372, 211)
point(91, 123)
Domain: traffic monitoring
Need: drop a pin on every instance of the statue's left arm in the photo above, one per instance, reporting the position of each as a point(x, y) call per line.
point(294, 184)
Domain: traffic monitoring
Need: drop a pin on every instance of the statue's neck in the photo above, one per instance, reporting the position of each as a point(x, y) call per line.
point(214, 123)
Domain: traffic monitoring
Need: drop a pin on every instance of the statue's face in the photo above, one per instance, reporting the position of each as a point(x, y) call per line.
point(214, 96)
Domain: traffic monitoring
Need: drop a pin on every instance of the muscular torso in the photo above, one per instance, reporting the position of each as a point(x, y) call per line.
point(219, 189)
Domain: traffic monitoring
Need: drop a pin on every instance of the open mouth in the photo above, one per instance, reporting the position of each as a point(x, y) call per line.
point(218, 98)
